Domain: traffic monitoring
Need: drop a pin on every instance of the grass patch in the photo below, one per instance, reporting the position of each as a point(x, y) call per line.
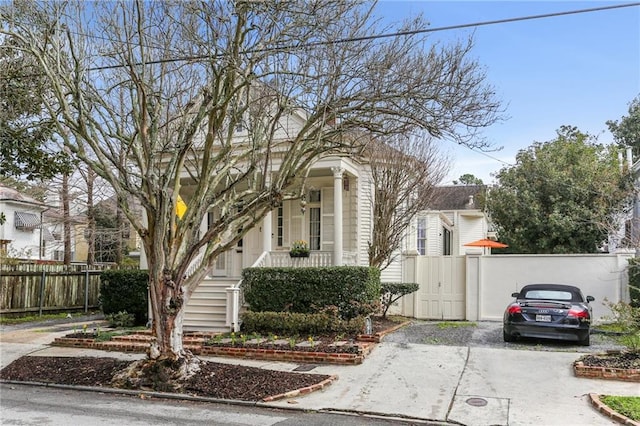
point(456, 324)
point(613, 327)
point(33, 318)
point(626, 405)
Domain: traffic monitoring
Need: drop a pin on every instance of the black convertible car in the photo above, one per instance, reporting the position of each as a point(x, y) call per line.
point(551, 311)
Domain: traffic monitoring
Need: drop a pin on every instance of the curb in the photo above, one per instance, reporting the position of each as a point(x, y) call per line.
point(605, 410)
point(261, 404)
point(180, 396)
point(302, 391)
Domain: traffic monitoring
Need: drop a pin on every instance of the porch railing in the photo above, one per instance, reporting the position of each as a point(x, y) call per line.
point(316, 259)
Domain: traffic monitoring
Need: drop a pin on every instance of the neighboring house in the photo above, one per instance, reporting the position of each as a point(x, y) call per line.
point(105, 237)
point(54, 220)
point(455, 218)
point(22, 234)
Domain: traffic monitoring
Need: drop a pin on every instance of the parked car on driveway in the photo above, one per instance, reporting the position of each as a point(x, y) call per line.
point(550, 311)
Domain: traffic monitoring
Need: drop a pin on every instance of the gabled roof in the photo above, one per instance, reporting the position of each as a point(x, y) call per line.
point(11, 195)
point(457, 197)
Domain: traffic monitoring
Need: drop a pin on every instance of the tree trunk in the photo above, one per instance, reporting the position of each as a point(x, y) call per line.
point(120, 224)
point(168, 303)
point(90, 235)
point(66, 217)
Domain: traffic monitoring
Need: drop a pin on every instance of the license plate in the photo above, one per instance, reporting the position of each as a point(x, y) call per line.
point(543, 318)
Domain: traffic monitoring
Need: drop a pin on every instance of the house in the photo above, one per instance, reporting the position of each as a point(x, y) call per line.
point(456, 217)
point(334, 215)
point(335, 218)
point(106, 234)
point(21, 233)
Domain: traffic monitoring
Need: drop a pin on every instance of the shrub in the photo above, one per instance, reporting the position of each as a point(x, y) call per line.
point(294, 324)
point(354, 290)
point(121, 319)
point(392, 292)
point(125, 291)
point(634, 281)
point(627, 318)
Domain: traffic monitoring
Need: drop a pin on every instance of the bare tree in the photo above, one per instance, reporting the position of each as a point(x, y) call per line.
point(404, 170)
point(198, 96)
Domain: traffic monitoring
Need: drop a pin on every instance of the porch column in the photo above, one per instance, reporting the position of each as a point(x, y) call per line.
point(266, 232)
point(337, 215)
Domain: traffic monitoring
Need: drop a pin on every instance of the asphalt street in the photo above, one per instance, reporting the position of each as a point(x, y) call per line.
point(475, 383)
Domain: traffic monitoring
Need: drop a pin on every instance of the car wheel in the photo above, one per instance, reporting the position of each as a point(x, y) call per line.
point(585, 342)
point(507, 337)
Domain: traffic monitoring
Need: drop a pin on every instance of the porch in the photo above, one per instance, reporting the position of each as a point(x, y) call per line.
point(216, 304)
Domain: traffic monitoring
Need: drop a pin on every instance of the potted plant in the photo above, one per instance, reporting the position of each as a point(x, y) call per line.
point(299, 248)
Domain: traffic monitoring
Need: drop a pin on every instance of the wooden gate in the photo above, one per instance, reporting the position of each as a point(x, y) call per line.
point(442, 287)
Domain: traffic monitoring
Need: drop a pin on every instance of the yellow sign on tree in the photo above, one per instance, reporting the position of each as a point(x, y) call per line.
point(181, 207)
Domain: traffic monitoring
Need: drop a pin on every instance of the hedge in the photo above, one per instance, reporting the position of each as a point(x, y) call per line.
point(354, 290)
point(125, 290)
point(296, 324)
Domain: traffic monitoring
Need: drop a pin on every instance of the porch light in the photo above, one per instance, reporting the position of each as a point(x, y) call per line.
point(303, 205)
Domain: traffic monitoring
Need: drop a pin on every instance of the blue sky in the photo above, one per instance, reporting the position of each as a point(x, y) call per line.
point(578, 70)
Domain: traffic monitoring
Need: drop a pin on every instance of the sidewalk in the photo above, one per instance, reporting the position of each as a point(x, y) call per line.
point(470, 386)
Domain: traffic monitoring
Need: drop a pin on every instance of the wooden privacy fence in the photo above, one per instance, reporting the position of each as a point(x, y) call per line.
point(28, 288)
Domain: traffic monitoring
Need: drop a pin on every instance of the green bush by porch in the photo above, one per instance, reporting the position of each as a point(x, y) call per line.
point(354, 290)
point(125, 290)
point(296, 324)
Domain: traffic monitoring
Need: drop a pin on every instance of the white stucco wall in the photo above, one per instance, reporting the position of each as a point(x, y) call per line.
point(603, 276)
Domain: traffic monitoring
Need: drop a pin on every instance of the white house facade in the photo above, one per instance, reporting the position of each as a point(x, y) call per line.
point(22, 234)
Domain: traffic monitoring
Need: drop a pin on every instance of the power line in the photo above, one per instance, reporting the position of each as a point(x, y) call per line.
point(374, 37)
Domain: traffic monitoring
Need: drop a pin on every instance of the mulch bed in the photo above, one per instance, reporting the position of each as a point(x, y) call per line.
point(214, 380)
point(626, 360)
point(618, 365)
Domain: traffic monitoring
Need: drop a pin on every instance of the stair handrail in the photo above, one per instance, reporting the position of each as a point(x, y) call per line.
point(195, 264)
point(233, 296)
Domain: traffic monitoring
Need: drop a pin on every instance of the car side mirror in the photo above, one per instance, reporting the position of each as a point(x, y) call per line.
point(515, 295)
point(590, 299)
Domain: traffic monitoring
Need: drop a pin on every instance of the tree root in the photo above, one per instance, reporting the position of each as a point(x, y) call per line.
point(162, 375)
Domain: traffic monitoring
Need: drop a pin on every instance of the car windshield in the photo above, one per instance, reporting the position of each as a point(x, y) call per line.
point(548, 295)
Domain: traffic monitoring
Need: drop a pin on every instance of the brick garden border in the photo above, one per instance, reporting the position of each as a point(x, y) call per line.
point(590, 372)
point(604, 409)
point(193, 341)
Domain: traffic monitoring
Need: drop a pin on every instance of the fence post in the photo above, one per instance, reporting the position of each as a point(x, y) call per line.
point(86, 290)
point(41, 302)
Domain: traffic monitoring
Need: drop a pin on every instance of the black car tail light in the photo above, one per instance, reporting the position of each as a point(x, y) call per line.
point(514, 309)
point(578, 313)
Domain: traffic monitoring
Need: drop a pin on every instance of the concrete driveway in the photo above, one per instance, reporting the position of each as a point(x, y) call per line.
point(526, 384)
point(474, 384)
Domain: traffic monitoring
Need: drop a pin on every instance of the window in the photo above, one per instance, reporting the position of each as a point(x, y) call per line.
point(421, 231)
point(446, 242)
point(314, 219)
point(280, 227)
point(314, 228)
point(314, 196)
point(549, 295)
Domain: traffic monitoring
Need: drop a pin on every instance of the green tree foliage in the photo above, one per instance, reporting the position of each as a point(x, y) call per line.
point(560, 196)
point(626, 131)
point(468, 179)
point(25, 129)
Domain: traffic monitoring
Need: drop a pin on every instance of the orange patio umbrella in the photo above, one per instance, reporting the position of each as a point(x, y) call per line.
point(485, 242)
